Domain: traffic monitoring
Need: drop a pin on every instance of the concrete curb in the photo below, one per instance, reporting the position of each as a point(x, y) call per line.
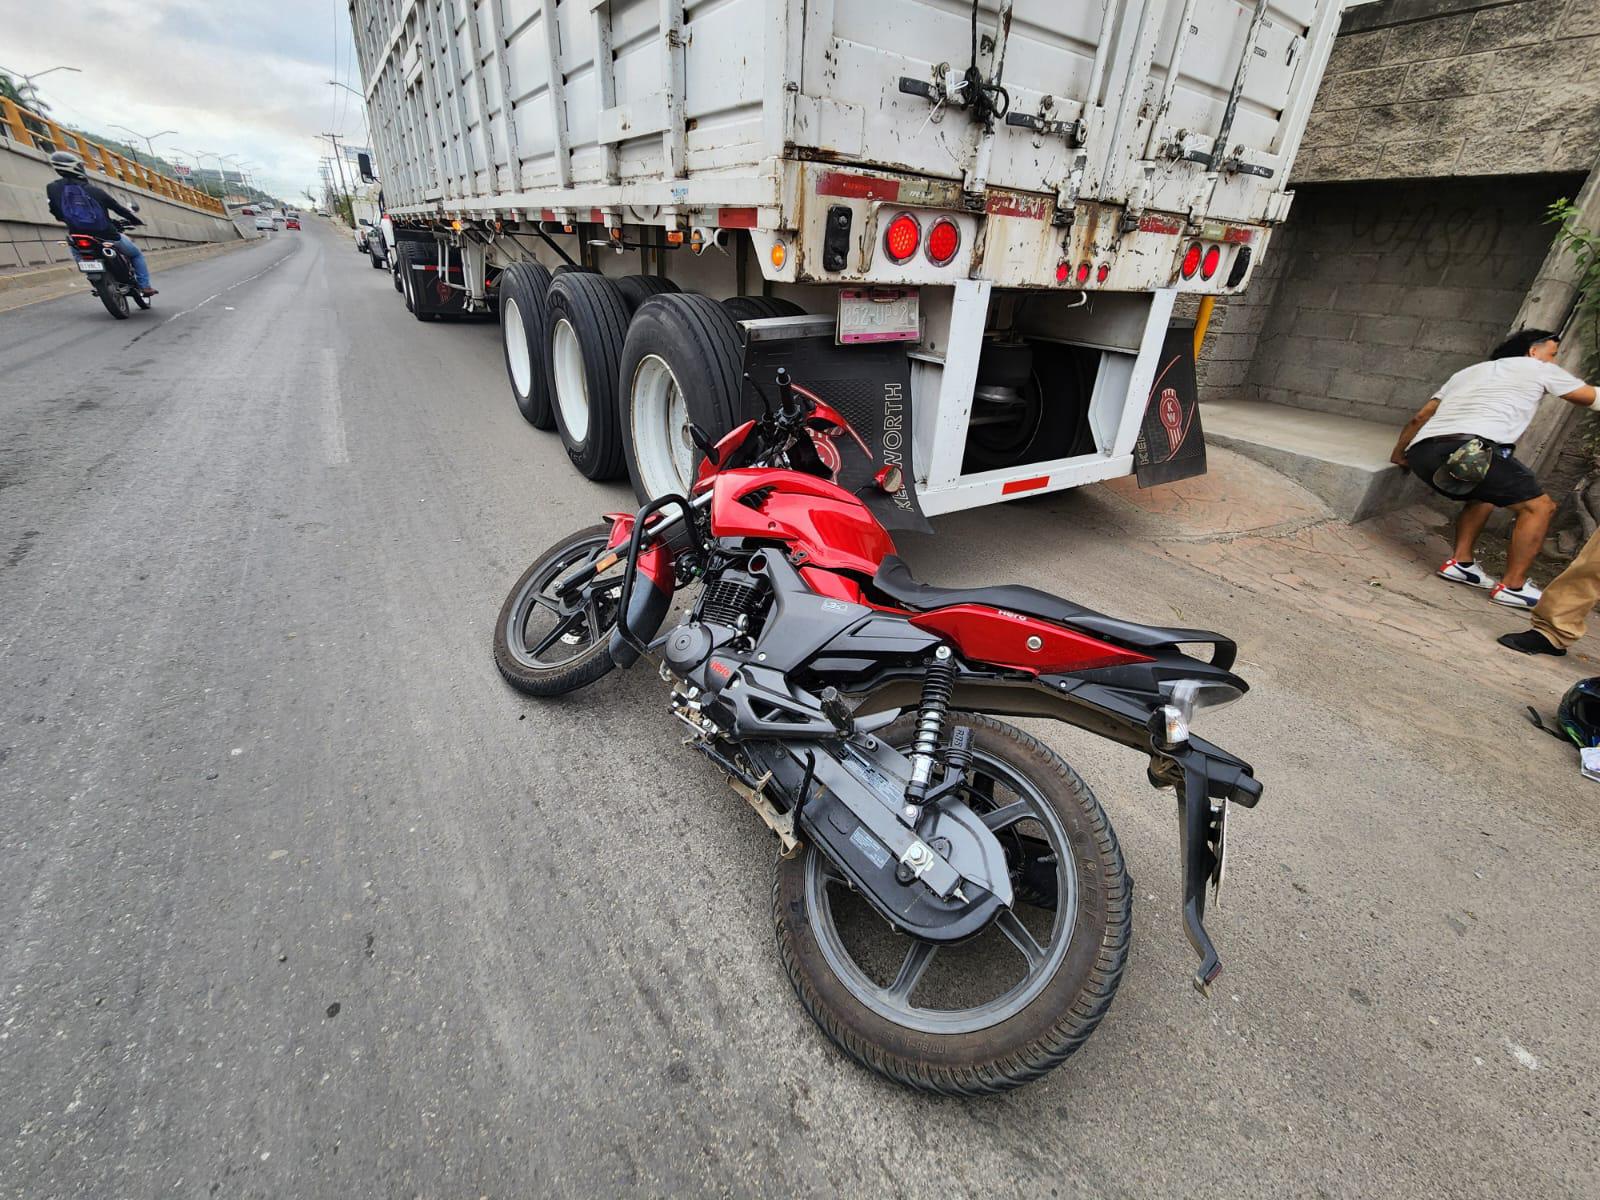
point(21, 288)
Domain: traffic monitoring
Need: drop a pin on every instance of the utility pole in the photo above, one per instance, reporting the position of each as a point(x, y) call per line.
point(338, 159)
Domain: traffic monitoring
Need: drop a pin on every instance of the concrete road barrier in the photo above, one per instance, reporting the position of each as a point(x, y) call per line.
point(30, 237)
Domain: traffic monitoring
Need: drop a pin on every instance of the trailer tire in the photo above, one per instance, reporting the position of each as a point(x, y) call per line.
point(588, 321)
point(403, 279)
point(636, 289)
point(759, 308)
point(569, 268)
point(681, 363)
point(525, 323)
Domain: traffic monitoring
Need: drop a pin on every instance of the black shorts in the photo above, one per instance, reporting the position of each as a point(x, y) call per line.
point(1508, 481)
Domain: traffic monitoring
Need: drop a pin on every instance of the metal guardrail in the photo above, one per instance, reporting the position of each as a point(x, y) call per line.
point(28, 128)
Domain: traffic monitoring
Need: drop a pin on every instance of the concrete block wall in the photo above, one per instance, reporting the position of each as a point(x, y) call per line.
point(1428, 88)
point(1385, 290)
point(31, 237)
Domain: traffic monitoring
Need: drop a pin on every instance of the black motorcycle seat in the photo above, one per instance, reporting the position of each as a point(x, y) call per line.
point(895, 580)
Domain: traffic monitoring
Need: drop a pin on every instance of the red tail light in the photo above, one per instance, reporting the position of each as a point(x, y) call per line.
point(1191, 261)
point(83, 242)
point(1102, 273)
point(900, 240)
point(944, 239)
point(1209, 267)
point(1083, 272)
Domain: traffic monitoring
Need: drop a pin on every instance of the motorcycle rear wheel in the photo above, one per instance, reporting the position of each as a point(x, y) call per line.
point(111, 296)
point(868, 989)
point(547, 648)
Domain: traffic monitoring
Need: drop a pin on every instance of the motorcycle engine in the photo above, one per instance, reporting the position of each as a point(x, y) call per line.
point(727, 614)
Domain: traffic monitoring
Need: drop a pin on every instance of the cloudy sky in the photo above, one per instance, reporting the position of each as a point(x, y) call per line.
point(242, 79)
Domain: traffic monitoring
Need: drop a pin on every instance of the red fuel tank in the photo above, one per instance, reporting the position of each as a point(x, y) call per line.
point(835, 529)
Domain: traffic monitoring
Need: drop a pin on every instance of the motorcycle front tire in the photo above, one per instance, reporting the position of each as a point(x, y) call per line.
point(520, 670)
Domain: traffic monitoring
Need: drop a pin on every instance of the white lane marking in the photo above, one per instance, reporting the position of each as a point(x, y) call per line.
point(334, 447)
point(279, 262)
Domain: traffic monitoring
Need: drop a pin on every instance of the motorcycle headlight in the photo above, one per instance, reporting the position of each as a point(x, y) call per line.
point(1185, 697)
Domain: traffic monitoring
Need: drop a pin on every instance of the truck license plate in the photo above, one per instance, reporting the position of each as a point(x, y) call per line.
point(91, 268)
point(878, 315)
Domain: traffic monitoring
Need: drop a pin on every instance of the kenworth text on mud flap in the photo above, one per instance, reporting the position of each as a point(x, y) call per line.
point(1016, 194)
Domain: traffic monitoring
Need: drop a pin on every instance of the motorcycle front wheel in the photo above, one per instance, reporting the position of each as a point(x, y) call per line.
point(1000, 1009)
point(547, 645)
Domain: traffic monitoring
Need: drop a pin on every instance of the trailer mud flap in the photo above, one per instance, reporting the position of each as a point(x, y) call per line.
point(870, 385)
point(1171, 444)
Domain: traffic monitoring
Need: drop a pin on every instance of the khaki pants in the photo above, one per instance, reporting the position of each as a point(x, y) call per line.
point(1567, 600)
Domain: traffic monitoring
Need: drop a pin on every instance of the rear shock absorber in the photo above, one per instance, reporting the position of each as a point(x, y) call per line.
point(938, 685)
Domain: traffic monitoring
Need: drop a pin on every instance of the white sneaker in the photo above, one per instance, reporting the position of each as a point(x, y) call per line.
point(1473, 575)
point(1525, 596)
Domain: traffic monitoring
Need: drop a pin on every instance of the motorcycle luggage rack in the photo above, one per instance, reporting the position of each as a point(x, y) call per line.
point(635, 538)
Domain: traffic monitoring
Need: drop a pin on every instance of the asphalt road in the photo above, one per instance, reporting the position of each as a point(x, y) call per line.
point(297, 899)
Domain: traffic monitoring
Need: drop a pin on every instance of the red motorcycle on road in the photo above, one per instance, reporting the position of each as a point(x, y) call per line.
point(951, 903)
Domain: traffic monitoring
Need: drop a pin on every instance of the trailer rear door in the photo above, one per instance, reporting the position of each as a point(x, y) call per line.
point(857, 51)
point(1214, 134)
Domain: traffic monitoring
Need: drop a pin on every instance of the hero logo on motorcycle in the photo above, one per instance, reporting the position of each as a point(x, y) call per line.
point(952, 905)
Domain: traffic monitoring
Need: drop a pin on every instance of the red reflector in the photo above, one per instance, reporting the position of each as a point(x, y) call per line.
point(1102, 273)
point(1209, 267)
point(858, 187)
point(1024, 485)
point(900, 242)
point(1083, 272)
point(1191, 261)
point(736, 218)
point(1062, 271)
point(944, 239)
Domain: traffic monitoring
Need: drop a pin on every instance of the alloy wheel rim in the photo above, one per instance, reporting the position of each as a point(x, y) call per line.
point(894, 1001)
point(578, 627)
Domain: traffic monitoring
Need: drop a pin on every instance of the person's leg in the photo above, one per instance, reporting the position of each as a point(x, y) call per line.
point(1560, 614)
point(141, 270)
point(1527, 535)
point(1474, 516)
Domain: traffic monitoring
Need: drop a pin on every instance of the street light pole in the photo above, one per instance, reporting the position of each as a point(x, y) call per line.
point(27, 80)
point(149, 139)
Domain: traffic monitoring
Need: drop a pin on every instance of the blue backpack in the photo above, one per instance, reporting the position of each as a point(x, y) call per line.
point(82, 210)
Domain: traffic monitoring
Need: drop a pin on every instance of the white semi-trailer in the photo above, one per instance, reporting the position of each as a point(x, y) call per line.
point(1019, 190)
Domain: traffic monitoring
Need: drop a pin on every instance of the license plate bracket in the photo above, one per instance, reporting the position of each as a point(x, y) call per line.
point(886, 314)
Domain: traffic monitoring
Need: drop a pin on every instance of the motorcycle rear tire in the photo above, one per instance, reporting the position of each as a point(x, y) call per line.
point(1025, 1045)
point(557, 679)
point(111, 296)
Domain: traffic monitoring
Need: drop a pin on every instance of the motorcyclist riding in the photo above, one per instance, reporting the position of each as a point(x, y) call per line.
point(84, 207)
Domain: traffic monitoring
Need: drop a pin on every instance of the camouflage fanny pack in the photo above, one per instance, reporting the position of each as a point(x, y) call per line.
point(1465, 468)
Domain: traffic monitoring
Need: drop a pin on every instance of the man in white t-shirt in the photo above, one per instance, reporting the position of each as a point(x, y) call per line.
point(1460, 444)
